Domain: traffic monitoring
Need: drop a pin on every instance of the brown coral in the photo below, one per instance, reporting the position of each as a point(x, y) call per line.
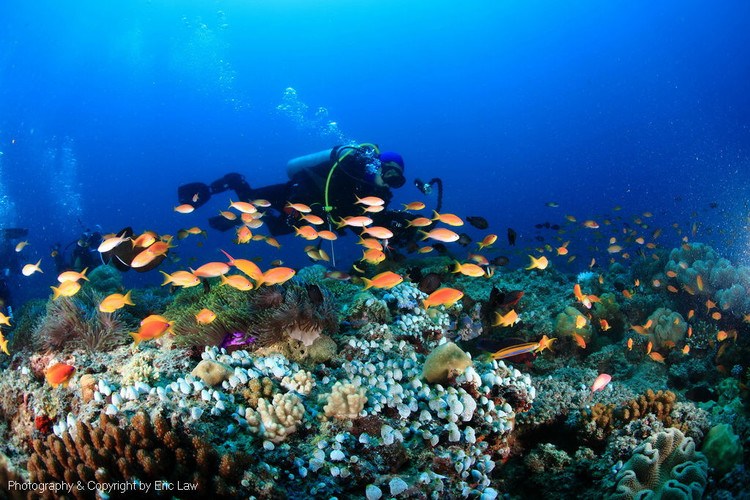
point(148, 449)
point(607, 418)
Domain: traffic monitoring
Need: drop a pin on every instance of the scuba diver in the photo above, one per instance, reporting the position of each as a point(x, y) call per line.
point(84, 254)
point(330, 180)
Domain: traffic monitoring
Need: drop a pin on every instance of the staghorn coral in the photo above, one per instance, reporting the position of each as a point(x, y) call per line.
point(148, 449)
point(666, 465)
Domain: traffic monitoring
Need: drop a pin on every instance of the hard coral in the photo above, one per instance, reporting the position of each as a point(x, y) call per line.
point(145, 449)
point(666, 465)
point(607, 418)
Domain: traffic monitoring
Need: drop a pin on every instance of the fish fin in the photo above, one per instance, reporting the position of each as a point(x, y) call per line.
point(167, 278)
point(127, 300)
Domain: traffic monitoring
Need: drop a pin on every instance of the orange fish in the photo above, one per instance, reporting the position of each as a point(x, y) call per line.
point(419, 222)
point(699, 282)
point(66, 289)
point(144, 258)
point(277, 276)
point(426, 249)
point(604, 324)
point(540, 263)
point(354, 221)
point(299, 207)
point(370, 243)
point(272, 241)
point(440, 234)
point(716, 315)
point(686, 349)
point(562, 251)
point(479, 259)
point(591, 224)
point(469, 269)
point(450, 219)
point(228, 215)
point(211, 270)
point(144, 240)
point(545, 343)
point(579, 340)
point(690, 331)
point(710, 304)
point(414, 205)
point(59, 374)
point(243, 207)
point(152, 327)
point(385, 280)
point(369, 201)
point(649, 346)
point(656, 357)
point(21, 245)
point(443, 296)
point(671, 274)
point(721, 336)
point(307, 232)
point(630, 344)
point(373, 256)
point(260, 202)
point(237, 281)
point(115, 301)
point(181, 278)
point(72, 276)
point(313, 219)
point(508, 319)
point(672, 289)
point(244, 235)
point(487, 241)
point(378, 232)
point(691, 313)
point(185, 208)
point(373, 210)
point(327, 235)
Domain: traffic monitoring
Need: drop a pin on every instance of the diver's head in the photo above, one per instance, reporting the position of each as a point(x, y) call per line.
point(392, 169)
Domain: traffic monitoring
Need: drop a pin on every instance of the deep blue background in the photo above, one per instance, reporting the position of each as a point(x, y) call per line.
point(105, 107)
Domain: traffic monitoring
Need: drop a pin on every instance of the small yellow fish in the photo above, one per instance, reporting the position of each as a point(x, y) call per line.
point(538, 263)
point(30, 269)
point(508, 319)
point(66, 289)
point(115, 301)
point(21, 245)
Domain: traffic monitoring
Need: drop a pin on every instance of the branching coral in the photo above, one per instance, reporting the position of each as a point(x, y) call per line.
point(606, 418)
point(147, 449)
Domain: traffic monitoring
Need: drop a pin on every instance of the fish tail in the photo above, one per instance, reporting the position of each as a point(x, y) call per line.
point(167, 278)
point(136, 338)
point(55, 292)
point(426, 235)
point(83, 273)
point(231, 259)
point(457, 267)
point(368, 283)
point(127, 300)
point(224, 280)
point(435, 215)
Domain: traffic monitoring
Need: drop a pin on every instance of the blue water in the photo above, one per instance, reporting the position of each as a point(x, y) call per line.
point(106, 108)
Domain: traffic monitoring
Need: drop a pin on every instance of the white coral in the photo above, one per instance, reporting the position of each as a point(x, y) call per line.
point(301, 382)
point(278, 419)
point(346, 401)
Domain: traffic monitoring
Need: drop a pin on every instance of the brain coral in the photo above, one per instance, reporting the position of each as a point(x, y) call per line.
point(666, 465)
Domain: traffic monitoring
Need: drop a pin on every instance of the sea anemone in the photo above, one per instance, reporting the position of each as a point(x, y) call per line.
point(303, 313)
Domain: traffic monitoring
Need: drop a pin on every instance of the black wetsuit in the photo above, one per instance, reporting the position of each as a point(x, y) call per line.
point(348, 181)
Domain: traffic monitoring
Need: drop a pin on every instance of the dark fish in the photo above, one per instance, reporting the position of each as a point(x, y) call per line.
point(478, 222)
point(713, 204)
point(429, 283)
point(538, 226)
point(500, 260)
point(512, 236)
point(504, 300)
point(555, 227)
point(464, 239)
point(440, 248)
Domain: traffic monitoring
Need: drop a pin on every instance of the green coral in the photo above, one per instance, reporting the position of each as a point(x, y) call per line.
point(666, 465)
point(668, 328)
point(723, 448)
point(105, 280)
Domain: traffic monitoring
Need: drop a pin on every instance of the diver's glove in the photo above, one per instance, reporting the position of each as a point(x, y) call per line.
point(235, 182)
